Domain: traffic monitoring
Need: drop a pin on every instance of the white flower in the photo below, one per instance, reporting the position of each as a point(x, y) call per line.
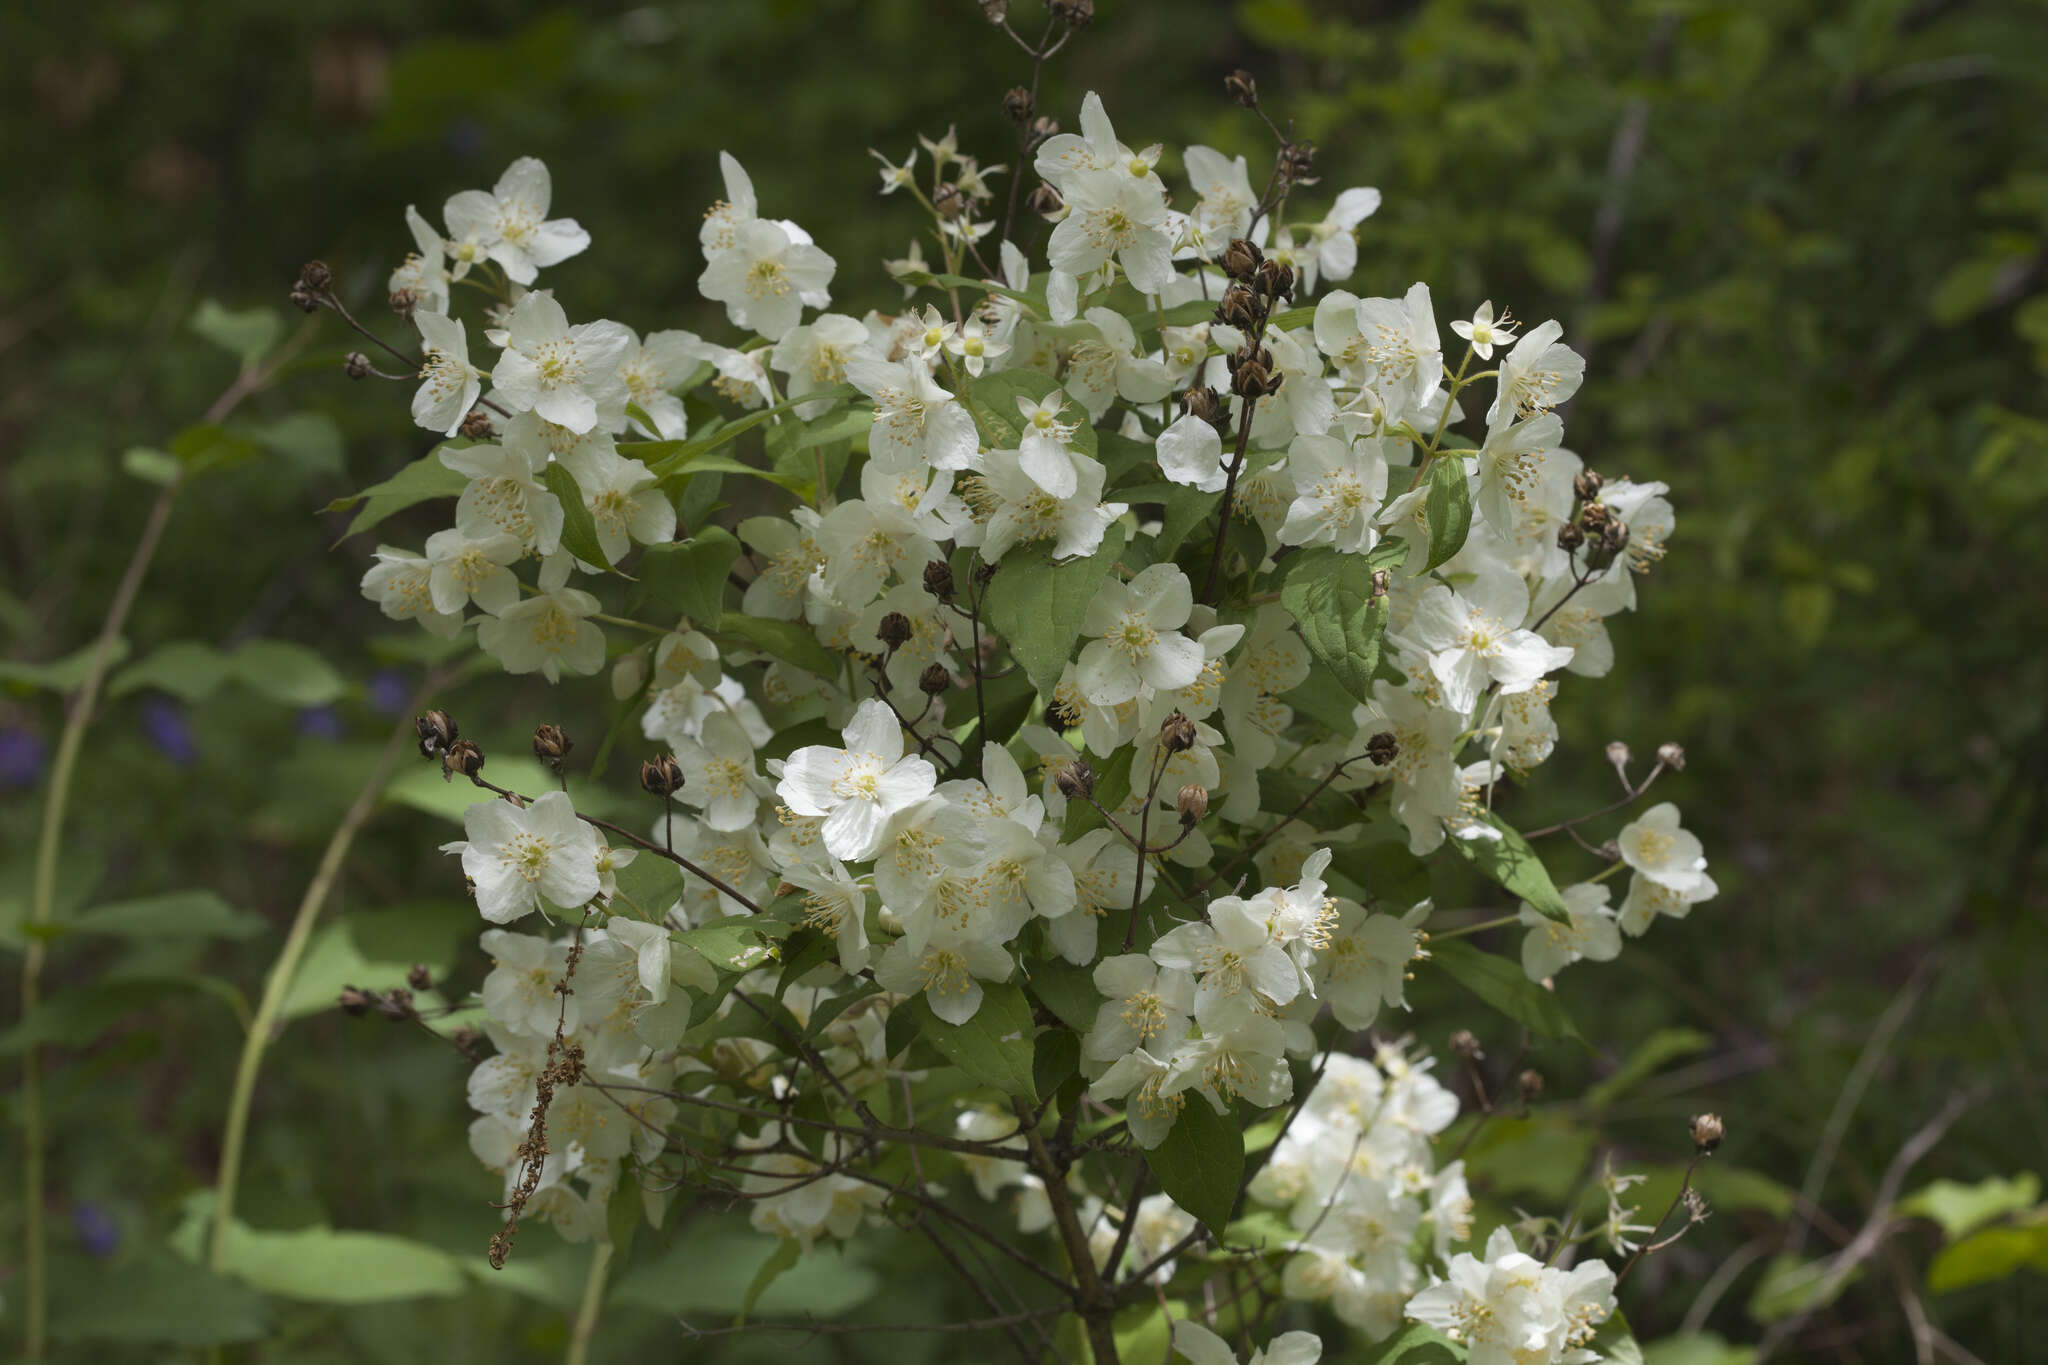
point(719, 777)
point(947, 964)
point(1537, 375)
point(623, 501)
point(1483, 332)
point(469, 570)
point(724, 218)
point(1334, 239)
point(550, 634)
point(1190, 452)
point(1364, 967)
point(650, 368)
point(1102, 368)
point(1143, 1006)
point(1338, 486)
point(1203, 1347)
point(1508, 1308)
point(816, 357)
point(1474, 634)
point(504, 494)
point(837, 905)
point(1549, 946)
point(1112, 215)
point(1233, 957)
point(896, 177)
point(525, 860)
point(1225, 190)
point(917, 423)
point(1657, 849)
point(1511, 468)
point(652, 950)
point(1402, 347)
point(766, 277)
point(1138, 643)
point(1138, 1079)
point(425, 272)
point(1045, 446)
point(1646, 900)
point(1019, 510)
point(859, 787)
point(565, 374)
point(402, 586)
point(449, 384)
point(512, 222)
point(974, 345)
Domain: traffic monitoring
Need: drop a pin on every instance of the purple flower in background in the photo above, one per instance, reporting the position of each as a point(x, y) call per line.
point(387, 691)
point(98, 1232)
point(322, 722)
point(22, 756)
point(163, 721)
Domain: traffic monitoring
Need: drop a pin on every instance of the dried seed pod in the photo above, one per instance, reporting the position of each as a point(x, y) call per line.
point(1177, 733)
point(477, 426)
point(356, 365)
point(1017, 104)
point(1193, 803)
point(1383, 748)
point(661, 776)
point(1707, 1133)
point(894, 630)
point(1240, 86)
point(938, 579)
point(463, 757)
point(437, 730)
point(1242, 258)
point(551, 746)
point(1076, 780)
point(934, 680)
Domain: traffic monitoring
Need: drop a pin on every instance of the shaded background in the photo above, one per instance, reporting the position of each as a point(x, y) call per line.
point(1802, 246)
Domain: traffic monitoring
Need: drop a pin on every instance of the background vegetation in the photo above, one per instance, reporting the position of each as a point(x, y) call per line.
point(1802, 244)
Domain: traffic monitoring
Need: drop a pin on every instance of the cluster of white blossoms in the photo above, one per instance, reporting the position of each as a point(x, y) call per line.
point(1268, 607)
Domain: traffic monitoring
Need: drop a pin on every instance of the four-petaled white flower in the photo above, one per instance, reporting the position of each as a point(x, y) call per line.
point(1658, 850)
point(859, 787)
point(766, 277)
point(1473, 635)
point(511, 222)
point(449, 384)
point(565, 374)
point(1138, 642)
point(526, 860)
point(1338, 486)
point(1111, 215)
point(1484, 331)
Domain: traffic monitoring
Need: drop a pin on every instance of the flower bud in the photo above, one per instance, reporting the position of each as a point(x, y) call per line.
point(461, 757)
point(1044, 201)
point(403, 302)
point(419, 978)
point(1177, 733)
point(1530, 1085)
point(661, 776)
point(938, 579)
point(1076, 780)
point(1383, 748)
point(1241, 258)
point(1201, 401)
point(948, 200)
point(477, 426)
point(1465, 1044)
point(1017, 104)
point(1276, 279)
point(934, 680)
point(1706, 1133)
point(1671, 755)
point(1587, 485)
point(1193, 803)
point(1240, 308)
point(1618, 755)
point(356, 365)
point(354, 1002)
point(1240, 86)
point(551, 746)
point(894, 631)
point(437, 730)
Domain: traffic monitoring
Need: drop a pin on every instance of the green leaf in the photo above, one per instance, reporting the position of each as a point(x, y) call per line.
point(178, 914)
point(150, 465)
point(1665, 1045)
point(790, 641)
point(1990, 1254)
point(785, 1256)
point(672, 457)
point(1067, 991)
point(59, 675)
point(1448, 507)
point(1503, 985)
point(321, 1265)
point(1697, 1348)
point(75, 1017)
point(423, 479)
point(711, 1270)
point(1962, 1209)
point(1510, 862)
point(1036, 606)
point(157, 1299)
point(995, 1046)
point(689, 576)
point(1186, 508)
point(1414, 1344)
point(248, 333)
point(284, 672)
point(373, 950)
point(186, 669)
point(1330, 597)
point(1200, 1162)
point(579, 528)
point(1055, 1060)
point(1791, 1284)
point(306, 439)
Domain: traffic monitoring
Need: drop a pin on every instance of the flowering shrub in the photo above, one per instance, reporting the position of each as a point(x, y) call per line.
point(1048, 749)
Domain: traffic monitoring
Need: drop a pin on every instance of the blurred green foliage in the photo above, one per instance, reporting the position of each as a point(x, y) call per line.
point(1802, 244)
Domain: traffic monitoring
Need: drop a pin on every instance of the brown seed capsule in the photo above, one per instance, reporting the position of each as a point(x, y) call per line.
point(316, 277)
point(396, 1005)
point(948, 200)
point(1079, 13)
point(437, 730)
point(355, 1003)
point(1276, 280)
point(1204, 402)
point(1297, 160)
point(468, 1042)
point(551, 746)
point(403, 302)
point(1242, 258)
point(305, 301)
point(1044, 201)
point(1076, 780)
point(356, 365)
point(1530, 1084)
point(995, 11)
point(1465, 1044)
point(661, 776)
point(1383, 748)
point(1177, 733)
point(1671, 755)
point(1017, 105)
point(419, 978)
point(938, 579)
point(894, 631)
point(1240, 308)
point(1193, 803)
point(1570, 537)
point(1706, 1133)
point(1587, 485)
point(461, 757)
point(477, 426)
point(1594, 517)
point(1240, 86)
point(1618, 755)
point(983, 573)
point(934, 680)
point(1251, 374)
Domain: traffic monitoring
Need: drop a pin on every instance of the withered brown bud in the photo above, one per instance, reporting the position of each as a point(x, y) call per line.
point(1079, 13)
point(1240, 308)
point(468, 1042)
point(1570, 537)
point(1594, 517)
point(1383, 748)
point(1276, 280)
point(1044, 201)
point(396, 1004)
point(1615, 538)
point(1671, 755)
point(661, 776)
point(1177, 733)
point(355, 1003)
point(1204, 402)
point(1076, 780)
point(1242, 258)
point(934, 680)
point(1706, 1133)
point(316, 277)
point(477, 426)
point(305, 301)
point(356, 365)
point(1465, 1044)
point(983, 573)
point(1193, 803)
point(437, 730)
point(948, 200)
point(1697, 1210)
point(938, 579)
point(419, 978)
point(404, 301)
point(1252, 374)
point(894, 631)
point(1618, 755)
point(1240, 86)
point(995, 11)
point(1017, 104)
point(551, 746)
point(461, 757)
point(1530, 1084)
point(1587, 485)
point(1297, 160)
point(1381, 582)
